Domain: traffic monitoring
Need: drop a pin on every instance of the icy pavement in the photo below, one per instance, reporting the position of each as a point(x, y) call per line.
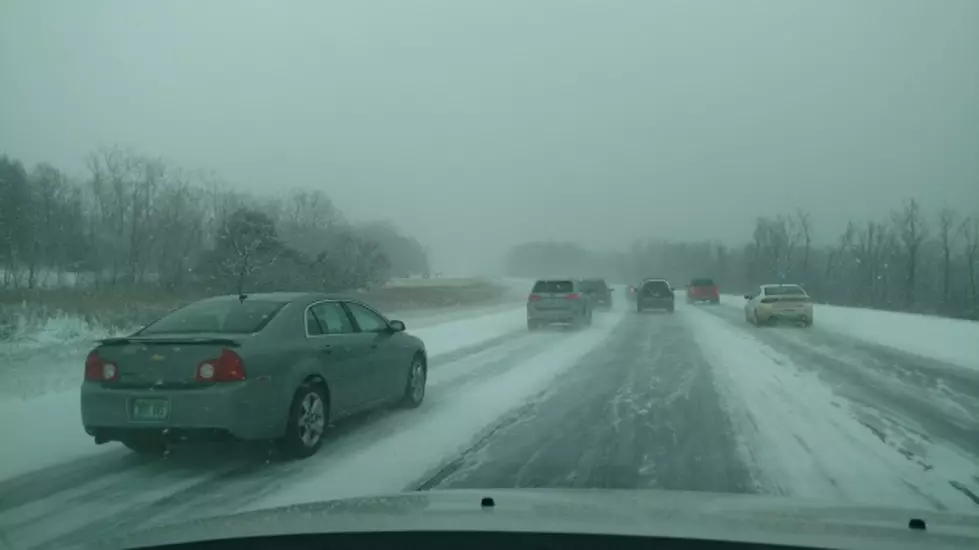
point(696, 400)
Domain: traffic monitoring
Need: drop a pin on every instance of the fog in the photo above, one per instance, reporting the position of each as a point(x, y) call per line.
point(477, 125)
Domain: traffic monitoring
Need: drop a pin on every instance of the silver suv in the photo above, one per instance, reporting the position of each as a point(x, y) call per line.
point(558, 301)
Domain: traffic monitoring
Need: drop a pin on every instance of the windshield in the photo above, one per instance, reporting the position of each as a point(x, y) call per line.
point(261, 254)
point(593, 286)
point(227, 316)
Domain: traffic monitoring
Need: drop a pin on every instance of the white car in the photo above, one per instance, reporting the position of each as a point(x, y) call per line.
point(774, 303)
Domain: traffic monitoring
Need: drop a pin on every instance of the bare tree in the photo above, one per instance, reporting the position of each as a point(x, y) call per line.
point(911, 230)
point(946, 234)
point(969, 229)
point(803, 224)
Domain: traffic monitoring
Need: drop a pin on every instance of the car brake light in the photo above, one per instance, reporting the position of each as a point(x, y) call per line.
point(97, 370)
point(227, 368)
point(573, 296)
point(533, 298)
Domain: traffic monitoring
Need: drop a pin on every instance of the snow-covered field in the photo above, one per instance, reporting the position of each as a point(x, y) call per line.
point(846, 411)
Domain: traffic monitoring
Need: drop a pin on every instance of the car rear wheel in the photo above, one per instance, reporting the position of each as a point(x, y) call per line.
point(532, 325)
point(415, 386)
point(307, 422)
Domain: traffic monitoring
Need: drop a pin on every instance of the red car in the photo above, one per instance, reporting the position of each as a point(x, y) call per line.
point(703, 290)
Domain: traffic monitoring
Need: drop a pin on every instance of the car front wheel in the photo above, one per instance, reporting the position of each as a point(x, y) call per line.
point(307, 422)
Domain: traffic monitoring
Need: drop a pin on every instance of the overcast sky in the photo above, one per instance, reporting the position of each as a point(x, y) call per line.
point(476, 124)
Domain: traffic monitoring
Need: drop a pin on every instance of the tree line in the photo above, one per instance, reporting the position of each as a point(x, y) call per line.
point(139, 220)
point(906, 261)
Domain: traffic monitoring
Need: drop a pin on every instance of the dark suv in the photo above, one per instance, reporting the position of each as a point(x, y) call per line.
point(598, 292)
point(655, 294)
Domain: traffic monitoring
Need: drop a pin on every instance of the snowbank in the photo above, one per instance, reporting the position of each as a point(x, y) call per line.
point(950, 340)
point(800, 439)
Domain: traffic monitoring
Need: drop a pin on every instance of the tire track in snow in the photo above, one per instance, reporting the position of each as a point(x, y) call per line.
point(640, 411)
point(872, 446)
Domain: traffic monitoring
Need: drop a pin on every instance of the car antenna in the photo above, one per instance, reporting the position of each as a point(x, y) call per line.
point(242, 297)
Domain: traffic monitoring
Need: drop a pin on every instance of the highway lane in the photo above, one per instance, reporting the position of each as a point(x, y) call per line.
point(640, 411)
point(695, 400)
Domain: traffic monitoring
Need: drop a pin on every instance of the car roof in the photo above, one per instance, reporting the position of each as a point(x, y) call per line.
point(283, 297)
point(773, 285)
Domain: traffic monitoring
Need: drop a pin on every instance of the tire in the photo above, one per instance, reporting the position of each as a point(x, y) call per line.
point(414, 392)
point(146, 445)
point(532, 325)
point(670, 309)
point(307, 422)
point(638, 308)
point(588, 319)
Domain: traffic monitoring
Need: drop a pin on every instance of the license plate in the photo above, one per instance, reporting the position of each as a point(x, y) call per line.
point(150, 409)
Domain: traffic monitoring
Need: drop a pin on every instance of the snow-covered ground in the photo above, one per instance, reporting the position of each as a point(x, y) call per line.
point(803, 440)
point(928, 336)
point(55, 433)
point(841, 412)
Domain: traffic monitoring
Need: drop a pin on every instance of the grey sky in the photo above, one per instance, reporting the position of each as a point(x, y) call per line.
point(479, 124)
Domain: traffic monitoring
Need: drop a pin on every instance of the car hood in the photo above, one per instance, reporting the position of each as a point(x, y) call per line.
point(748, 518)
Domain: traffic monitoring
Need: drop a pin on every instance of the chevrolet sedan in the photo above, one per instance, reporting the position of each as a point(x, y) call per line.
point(277, 366)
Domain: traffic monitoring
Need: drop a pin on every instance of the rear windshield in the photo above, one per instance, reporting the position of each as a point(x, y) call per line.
point(787, 290)
point(594, 285)
point(702, 282)
point(655, 286)
point(554, 287)
point(227, 317)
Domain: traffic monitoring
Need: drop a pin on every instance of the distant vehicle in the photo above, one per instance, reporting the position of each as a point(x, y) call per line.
point(771, 304)
point(655, 294)
point(703, 290)
point(630, 293)
point(558, 301)
point(598, 292)
point(277, 366)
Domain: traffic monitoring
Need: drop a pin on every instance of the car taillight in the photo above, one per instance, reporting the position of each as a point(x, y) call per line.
point(533, 298)
point(227, 368)
point(97, 370)
point(573, 296)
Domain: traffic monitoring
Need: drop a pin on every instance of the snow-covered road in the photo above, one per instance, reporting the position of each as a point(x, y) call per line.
point(696, 400)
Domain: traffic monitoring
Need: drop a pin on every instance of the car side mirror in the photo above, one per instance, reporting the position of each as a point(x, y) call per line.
point(397, 326)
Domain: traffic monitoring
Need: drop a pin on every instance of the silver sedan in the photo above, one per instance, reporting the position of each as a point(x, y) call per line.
point(277, 366)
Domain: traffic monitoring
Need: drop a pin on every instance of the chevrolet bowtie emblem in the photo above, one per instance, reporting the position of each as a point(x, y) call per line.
point(156, 357)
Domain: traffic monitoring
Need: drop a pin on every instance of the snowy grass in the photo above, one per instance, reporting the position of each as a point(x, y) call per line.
point(954, 341)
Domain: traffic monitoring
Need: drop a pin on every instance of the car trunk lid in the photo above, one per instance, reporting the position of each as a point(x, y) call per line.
point(164, 360)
